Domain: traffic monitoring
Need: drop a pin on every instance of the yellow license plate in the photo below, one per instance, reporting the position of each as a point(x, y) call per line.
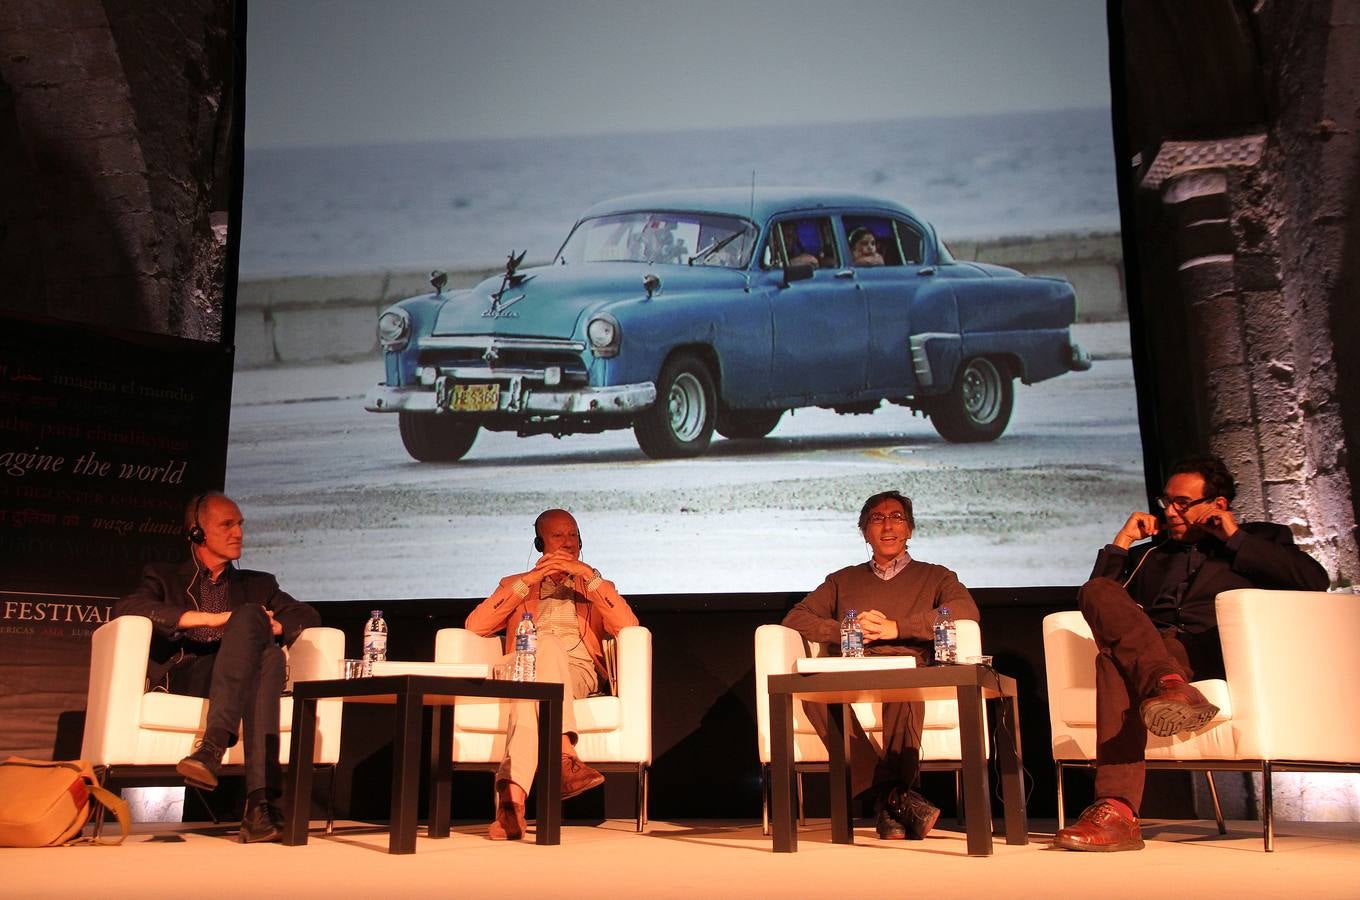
point(475, 397)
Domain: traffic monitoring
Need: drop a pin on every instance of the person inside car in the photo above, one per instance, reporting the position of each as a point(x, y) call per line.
point(785, 246)
point(864, 248)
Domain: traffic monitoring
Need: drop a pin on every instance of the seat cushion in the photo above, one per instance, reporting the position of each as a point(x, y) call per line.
point(1077, 705)
point(181, 713)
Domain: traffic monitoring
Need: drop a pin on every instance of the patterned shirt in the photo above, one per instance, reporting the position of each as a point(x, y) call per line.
point(212, 598)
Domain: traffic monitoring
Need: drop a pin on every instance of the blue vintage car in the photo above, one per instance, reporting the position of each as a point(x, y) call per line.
point(682, 313)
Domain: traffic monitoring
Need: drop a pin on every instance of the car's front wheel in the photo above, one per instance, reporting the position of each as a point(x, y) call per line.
point(430, 437)
point(748, 424)
point(978, 406)
point(680, 422)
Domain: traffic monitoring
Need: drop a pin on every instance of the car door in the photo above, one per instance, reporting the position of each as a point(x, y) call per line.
point(889, 284)
point(820, 324)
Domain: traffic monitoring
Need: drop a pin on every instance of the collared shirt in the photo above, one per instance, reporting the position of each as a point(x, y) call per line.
point(892, 568)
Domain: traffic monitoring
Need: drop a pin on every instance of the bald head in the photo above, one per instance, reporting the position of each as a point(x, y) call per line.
point(556, 529)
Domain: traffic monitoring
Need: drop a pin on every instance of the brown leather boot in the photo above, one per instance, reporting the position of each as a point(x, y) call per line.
point(509, 824)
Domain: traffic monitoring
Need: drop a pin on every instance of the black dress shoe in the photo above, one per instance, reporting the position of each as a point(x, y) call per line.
point(916, 814)
point(199, 769)
point(261, 823)
point(888, 828)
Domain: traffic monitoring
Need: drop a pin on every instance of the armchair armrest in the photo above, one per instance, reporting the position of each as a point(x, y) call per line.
point(458, 645)
point(634, 647)
point(778, 648)
point(967, 639)
point(317, 654)
point(1292, 668)
point(118, 657)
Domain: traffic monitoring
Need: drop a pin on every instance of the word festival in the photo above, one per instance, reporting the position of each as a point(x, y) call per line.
point(49, 611)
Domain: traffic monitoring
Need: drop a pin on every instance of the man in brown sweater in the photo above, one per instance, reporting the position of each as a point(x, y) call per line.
point(897, 599)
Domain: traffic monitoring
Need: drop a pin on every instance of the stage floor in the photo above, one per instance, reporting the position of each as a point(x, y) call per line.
point(682, 859)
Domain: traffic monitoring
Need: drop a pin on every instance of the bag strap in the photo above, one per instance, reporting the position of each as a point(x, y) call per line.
point(115, 804)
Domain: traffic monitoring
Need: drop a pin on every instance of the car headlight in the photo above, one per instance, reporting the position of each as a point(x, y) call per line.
point(604, 335)
point(394, 329)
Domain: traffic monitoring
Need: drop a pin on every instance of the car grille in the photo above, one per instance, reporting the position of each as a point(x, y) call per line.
point(510, 356)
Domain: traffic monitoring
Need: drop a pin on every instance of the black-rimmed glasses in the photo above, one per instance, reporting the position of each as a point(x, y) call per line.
point(1180, 504)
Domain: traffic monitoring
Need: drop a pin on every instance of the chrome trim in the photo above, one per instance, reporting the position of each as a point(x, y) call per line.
point(499, 373)
point(486, 342)
point(920, 359)
point(521, 399)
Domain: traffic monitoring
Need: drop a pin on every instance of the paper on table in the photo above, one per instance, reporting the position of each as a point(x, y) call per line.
point(446, 670)
point(852, 663)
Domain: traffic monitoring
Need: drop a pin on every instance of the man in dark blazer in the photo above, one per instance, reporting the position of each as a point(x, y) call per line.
point(217, 633)
point(1151, 611)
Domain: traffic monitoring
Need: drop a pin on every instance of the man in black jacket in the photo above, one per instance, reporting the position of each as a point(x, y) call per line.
point(1151, 612)
point(216, 634)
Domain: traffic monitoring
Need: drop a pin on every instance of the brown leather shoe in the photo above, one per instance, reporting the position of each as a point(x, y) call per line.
point(509, 824)
point(1176, 708)
point(1102, 827)
point(577, 777)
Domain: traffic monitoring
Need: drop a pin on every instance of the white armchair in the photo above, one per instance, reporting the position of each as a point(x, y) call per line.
point(778, 650)
point(1278, 707)
point(615, 732)
point(127, 727)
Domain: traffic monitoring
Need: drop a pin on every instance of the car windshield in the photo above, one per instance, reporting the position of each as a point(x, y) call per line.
point(684, 238)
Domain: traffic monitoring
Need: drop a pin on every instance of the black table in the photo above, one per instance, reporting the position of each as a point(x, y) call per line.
point(970, 685)
point(410, 694)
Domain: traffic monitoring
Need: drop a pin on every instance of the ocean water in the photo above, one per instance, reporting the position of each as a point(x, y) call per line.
point(309, 211)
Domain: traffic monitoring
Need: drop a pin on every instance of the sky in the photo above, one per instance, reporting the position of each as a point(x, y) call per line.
point(326, 72)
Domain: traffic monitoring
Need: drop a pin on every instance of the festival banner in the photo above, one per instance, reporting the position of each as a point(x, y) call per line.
point(103, 439)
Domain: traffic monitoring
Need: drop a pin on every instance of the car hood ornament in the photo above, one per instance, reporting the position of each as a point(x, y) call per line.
point(499, 303)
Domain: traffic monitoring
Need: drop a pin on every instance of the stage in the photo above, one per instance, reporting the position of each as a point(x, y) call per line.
point(709, 858)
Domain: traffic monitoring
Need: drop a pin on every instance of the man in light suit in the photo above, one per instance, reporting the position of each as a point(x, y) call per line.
point(574, 608)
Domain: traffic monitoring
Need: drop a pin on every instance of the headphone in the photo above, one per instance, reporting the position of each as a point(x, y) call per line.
point(538, 537)
point(195, 532)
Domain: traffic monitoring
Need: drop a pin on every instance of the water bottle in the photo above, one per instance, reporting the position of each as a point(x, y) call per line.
point(526, 650)
point(375, 640)
point(852, 637)
point(946, 638)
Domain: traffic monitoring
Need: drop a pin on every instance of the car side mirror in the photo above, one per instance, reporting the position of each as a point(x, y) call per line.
point(798, 272)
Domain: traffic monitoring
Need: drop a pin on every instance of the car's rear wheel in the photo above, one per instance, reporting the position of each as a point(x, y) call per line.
point(978, 406)
point(748, 424)
point(680, 422)
point(431, 437)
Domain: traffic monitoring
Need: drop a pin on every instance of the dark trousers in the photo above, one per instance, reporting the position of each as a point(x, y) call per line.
point(243, 681)
point(900, 764)
point(1134, 655)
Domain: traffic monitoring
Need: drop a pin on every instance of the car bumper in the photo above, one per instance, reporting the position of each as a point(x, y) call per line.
point(517, 399)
